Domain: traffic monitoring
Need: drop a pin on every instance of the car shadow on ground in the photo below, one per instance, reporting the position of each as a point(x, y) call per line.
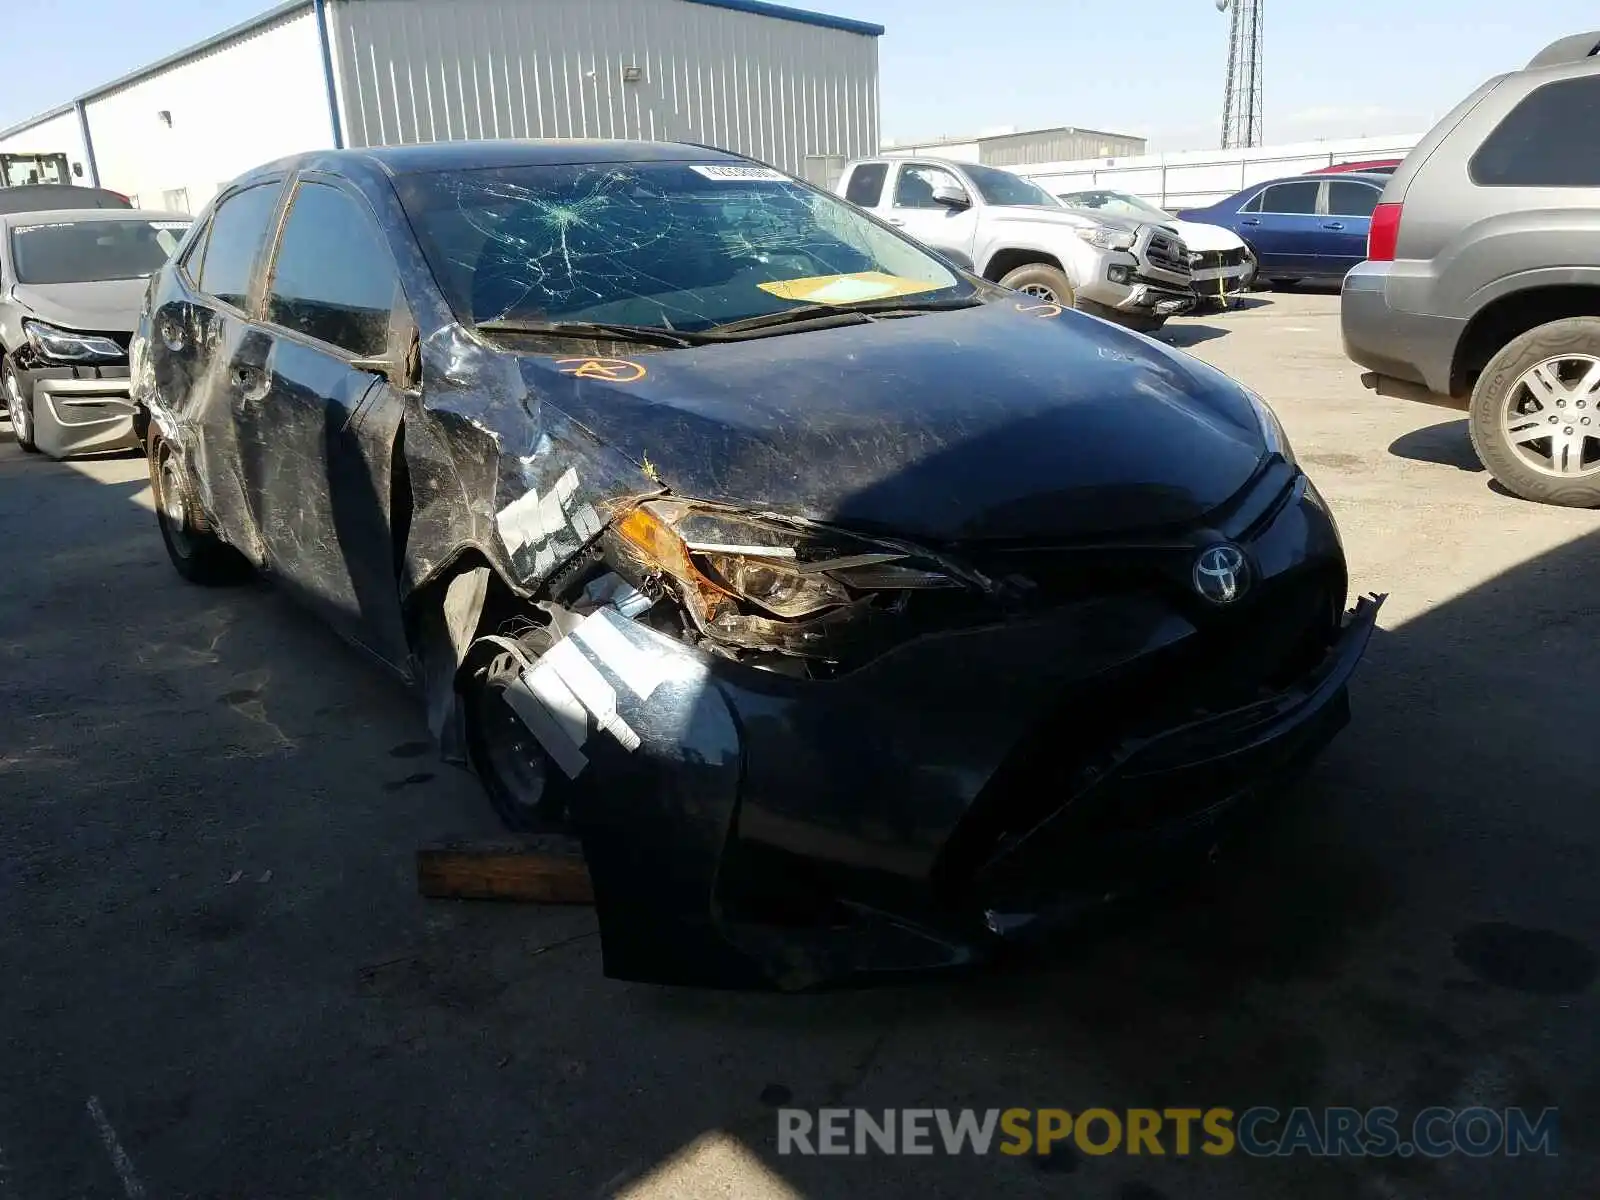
point(1446, 443)
point(211, 810)
point(1186, 335)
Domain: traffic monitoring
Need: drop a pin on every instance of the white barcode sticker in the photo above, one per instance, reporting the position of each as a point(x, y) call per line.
point(751, 174)
point(170, 224)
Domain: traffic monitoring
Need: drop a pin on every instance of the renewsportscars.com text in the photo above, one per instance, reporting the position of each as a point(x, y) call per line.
point(1259, 1132)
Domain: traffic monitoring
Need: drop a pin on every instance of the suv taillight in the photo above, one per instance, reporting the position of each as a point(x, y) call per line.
point(1384, 233)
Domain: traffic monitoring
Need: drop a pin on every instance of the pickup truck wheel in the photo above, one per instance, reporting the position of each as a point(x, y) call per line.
point(1041, 280)
point(19, 407)
point(197, 553)
point(1535, 414)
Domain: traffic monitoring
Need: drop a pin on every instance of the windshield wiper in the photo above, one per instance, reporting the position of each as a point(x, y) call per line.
point(854, 313)
point(648, 335)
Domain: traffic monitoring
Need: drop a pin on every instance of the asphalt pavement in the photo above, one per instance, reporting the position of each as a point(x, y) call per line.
point(219, 980)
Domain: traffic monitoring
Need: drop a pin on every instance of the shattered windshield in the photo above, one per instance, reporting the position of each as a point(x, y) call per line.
point(1119, 203)
point(85, 251)
point(675, 245)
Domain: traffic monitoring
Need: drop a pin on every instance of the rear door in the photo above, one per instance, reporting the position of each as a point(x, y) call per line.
point(1347, 218)
point(1283, 226)
point(913, 209)
point(325, 418)
point(202, 342)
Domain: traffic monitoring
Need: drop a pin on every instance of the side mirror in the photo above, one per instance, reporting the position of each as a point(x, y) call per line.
point(951, 195)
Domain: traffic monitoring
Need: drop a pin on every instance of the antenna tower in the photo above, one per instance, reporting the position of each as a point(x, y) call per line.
point(1241, 104)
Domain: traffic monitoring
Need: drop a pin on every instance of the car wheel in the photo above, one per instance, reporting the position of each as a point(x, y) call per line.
point(1535, 415)
point(1043, 281)
point(196, 552)
point(19, 407)
point(528, 791)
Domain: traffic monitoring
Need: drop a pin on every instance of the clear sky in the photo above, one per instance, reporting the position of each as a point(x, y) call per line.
point(1334, 68)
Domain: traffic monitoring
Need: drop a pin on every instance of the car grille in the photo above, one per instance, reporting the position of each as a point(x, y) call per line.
point(1202, 260)
point(1167, 253)
point(1270, 639)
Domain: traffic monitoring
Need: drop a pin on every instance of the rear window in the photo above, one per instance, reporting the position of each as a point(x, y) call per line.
point(1547, 140)
point(85, 251)
point(1347, 199)
point(866, 184)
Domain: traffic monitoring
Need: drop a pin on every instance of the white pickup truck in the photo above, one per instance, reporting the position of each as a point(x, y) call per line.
point(1013, 232)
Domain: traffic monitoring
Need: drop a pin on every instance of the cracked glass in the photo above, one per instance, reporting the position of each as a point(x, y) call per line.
point(674, 245)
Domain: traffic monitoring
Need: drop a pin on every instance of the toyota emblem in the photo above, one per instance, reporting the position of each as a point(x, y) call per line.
point(1221, 573)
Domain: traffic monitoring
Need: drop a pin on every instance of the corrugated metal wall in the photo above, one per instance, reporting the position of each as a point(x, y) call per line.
point(1057, 145)
point(232, 108)
point(779, 90)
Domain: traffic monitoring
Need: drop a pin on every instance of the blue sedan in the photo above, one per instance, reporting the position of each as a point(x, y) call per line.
point(1304, 227)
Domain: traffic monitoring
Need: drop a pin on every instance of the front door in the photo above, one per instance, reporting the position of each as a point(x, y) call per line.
point(328, 424)
point(938, 226)
point(1283, 226)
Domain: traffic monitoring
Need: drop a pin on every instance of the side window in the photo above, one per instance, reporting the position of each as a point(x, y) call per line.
point(1291, 198)
point(1545, 141)
point(865, 188)
point(1253, 204)
point(1347, 199)
point(237, 231)
point(195, 257)
point(913, 188)
point(334, 279)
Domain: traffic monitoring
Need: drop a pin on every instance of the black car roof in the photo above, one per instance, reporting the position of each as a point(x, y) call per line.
point(467, 156)
point(34, 197)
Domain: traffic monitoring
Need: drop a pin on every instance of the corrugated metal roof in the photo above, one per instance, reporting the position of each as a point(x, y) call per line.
point(758, 7)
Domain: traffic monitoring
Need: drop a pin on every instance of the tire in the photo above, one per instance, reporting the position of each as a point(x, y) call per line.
point(196, 552)
point(1043, 281)
point(19, 407)
point(1558, 468)
point(528, 791)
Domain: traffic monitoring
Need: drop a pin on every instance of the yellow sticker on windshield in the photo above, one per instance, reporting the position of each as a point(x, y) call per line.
point(847, 289)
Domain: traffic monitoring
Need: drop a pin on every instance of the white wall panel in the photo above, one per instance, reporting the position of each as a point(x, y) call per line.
point(233, 107)
point(59, 134)
point(780, 90)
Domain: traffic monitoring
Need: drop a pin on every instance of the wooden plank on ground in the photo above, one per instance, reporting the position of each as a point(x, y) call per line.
point(537, 871)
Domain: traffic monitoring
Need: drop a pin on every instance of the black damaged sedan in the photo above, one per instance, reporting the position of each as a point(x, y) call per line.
point(859, 616)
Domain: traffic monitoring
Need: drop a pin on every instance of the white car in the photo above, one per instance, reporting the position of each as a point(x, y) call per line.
point(1221, 262)
point(1013, 232)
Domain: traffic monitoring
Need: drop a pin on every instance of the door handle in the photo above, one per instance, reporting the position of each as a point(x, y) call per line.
point(1334, 225)
point(1251, 221)
point(896, 221)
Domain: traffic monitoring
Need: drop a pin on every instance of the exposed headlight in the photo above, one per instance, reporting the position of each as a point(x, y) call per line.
point(1271, 428)
point(730, 565)
point(1106, 237)
point(63, 345)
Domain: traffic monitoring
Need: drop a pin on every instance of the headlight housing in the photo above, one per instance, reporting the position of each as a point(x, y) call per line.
point(1271, 428)
point(732, 568)
point(1107, 238)
point(64, 345)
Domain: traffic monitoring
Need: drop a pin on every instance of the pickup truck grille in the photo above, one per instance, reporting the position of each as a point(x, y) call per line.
point(1202, 260)
point(1167, 253)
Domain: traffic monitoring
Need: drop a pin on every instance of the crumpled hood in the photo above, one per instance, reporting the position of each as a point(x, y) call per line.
point(1029, 214)
point(981, 423)
point(104, 305)
point(1206, 238)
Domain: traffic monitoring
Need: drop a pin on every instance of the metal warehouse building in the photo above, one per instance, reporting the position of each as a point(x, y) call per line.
point(794, 88)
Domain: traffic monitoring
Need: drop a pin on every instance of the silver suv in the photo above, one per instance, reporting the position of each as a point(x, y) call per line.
point(1481, 288)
